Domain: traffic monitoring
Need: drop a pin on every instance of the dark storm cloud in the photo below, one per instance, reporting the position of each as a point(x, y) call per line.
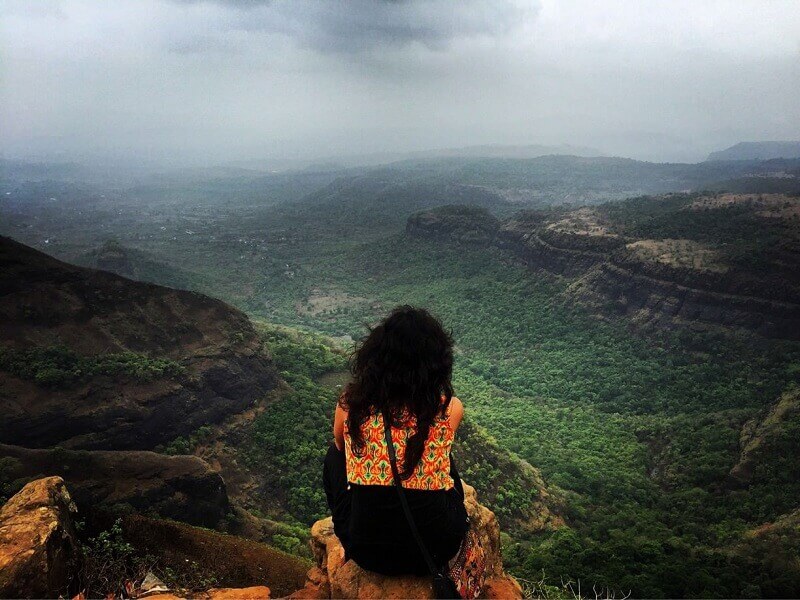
point(359, 25)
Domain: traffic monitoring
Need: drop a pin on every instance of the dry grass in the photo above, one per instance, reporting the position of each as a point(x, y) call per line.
point(584, 221)
point(233, 561)
point(686, 254)
point(765, 205)
point(320, 302)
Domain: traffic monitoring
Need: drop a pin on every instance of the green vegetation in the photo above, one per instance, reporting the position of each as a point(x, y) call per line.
point(58, 366)
point(183, 445)
point(288, 441)
point(740, 236)
point(110, 561)
point(641, 433)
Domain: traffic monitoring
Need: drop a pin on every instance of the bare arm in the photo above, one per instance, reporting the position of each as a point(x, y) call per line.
point(456, 413)
point(338, 426)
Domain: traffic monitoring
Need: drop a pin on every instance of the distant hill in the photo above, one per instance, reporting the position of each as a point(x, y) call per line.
point(135, 264)
point(758, 151)
point(503, 151)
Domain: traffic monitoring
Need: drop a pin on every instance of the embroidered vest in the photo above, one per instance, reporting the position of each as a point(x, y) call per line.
point(372, 467)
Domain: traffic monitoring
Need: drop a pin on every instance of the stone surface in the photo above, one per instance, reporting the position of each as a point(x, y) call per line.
point(334, 578)
point(37, 541)
point(317, 586)
point(257, 592)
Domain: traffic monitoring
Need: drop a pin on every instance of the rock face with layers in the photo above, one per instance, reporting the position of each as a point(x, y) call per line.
point(654, 283)
point(184, 488)
point(333, 578)
point(37, 541)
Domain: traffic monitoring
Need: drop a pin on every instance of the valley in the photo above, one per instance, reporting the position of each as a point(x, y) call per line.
point(629, 366)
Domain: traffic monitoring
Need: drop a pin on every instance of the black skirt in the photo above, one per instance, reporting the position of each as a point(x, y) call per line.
point(370, 522)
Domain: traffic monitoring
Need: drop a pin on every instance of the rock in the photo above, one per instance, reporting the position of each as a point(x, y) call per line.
point(151, 585)
point(502, 587)
point(38, 546)
point(317, 586)
point(258, 592)
point(333, 578)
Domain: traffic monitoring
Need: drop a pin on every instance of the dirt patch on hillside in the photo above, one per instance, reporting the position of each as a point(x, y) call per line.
point(232, 561)
point(686, 254)
point(584, 221)
point(320, 302)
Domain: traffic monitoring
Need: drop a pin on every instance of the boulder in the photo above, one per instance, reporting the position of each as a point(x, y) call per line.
point(334, 578)
point(38, 546)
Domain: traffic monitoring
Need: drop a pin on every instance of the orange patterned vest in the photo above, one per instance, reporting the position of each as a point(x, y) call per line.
point(374, 468)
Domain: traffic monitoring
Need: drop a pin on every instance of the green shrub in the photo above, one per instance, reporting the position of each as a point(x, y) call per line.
point(58, 366)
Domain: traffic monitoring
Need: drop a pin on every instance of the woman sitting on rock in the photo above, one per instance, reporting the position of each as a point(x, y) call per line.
point(401, 373)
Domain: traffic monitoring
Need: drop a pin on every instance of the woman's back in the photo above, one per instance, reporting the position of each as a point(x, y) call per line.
point(371, 465)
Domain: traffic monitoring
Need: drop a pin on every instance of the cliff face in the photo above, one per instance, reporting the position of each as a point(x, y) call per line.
point(184, 488)
point(528, 237)
point(650, 298)
point(661, 282)
point(220, 367)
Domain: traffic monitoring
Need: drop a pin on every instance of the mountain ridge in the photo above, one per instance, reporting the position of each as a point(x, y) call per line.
point(757, 151)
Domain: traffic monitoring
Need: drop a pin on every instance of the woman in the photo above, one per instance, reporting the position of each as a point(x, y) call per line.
point(401, 372)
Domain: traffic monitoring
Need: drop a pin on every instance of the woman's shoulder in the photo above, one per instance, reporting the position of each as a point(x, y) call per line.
point(455, 402)
point(453, 414)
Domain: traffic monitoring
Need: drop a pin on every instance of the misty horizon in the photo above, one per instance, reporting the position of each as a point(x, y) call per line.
point(190, 83)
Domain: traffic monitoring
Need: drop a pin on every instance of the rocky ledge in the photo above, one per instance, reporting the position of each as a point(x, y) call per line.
point(333, 578)
point(40, 553)
point(37, 541)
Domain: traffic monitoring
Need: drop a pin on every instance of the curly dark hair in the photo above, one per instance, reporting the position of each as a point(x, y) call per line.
point(402, 368)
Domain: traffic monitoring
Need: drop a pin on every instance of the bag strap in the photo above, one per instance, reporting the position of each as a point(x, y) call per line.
point(404, 502)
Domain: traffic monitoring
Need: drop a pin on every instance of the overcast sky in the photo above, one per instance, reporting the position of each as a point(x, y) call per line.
point(208, 82)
